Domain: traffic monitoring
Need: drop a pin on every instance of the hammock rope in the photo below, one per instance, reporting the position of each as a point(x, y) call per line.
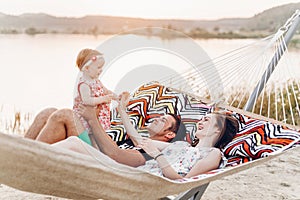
point(248, 62)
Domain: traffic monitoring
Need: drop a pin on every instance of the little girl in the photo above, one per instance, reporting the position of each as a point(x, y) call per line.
point(90, 91)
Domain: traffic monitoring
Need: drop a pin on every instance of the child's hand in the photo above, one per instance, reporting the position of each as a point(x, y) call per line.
point(116, 97)
point(107, 98)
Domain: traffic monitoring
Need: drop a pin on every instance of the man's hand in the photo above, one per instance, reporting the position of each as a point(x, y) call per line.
point(87, 112)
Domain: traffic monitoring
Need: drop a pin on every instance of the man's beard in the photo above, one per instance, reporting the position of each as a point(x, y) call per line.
point(157, 128)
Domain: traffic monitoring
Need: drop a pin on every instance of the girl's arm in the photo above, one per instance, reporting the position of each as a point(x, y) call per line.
point(87, 99)
point(107, 92)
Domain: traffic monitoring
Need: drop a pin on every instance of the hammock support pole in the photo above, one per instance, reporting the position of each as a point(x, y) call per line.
point(193, 194)
point(295, 20)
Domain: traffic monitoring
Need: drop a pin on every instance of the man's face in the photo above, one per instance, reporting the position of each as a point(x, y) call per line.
point(161, 125)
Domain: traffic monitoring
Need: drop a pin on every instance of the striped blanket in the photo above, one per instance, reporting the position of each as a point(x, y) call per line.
point(255, 139)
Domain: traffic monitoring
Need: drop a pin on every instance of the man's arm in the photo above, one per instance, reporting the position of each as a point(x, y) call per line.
point(131, 131)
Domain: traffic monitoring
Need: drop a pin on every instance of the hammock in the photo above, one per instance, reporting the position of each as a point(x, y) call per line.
point(46, 170)
point(36, 167)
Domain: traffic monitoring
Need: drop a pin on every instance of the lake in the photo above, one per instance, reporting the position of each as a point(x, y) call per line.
point(39, 71)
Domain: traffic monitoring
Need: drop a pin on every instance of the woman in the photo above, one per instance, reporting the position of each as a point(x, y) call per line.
point(179, 159)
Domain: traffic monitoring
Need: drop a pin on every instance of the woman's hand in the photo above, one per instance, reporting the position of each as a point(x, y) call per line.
point(87, 112)
point(149, 147)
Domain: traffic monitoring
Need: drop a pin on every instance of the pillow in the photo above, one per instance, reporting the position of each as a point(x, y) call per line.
point(256, 139)
point(153, 100)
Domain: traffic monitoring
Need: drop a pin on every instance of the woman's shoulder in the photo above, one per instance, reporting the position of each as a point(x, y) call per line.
point(211, 151)
point(215, 150)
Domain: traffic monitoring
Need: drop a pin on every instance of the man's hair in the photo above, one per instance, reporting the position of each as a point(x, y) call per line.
point(174, 128)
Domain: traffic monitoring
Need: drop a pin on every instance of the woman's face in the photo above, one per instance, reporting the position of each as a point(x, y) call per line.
point(207, 126)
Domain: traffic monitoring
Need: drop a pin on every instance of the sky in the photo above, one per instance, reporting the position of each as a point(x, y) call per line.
point(167, 9)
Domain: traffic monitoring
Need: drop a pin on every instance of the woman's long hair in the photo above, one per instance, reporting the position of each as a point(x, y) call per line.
point(229, 127)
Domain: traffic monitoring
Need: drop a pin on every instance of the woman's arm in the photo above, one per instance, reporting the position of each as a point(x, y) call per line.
point(167, 169)
point(153, 151)
point(87, 99)
point(210, 162)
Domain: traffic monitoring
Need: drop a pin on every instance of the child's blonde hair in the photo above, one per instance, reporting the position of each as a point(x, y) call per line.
point(85, 55)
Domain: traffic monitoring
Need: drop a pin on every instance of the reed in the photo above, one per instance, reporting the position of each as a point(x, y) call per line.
point(281, 103)
point(14, 122)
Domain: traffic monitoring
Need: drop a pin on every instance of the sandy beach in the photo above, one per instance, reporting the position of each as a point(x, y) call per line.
point(275, 180)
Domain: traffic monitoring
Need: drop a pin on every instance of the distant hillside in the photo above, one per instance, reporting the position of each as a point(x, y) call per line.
point(273, 18)
point(262, 23)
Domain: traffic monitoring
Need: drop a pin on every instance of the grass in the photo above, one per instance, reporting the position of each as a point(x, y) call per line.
point(14, 123)
point(276, 104)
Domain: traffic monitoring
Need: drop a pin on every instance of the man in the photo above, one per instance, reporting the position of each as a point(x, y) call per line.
point(53, 125)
